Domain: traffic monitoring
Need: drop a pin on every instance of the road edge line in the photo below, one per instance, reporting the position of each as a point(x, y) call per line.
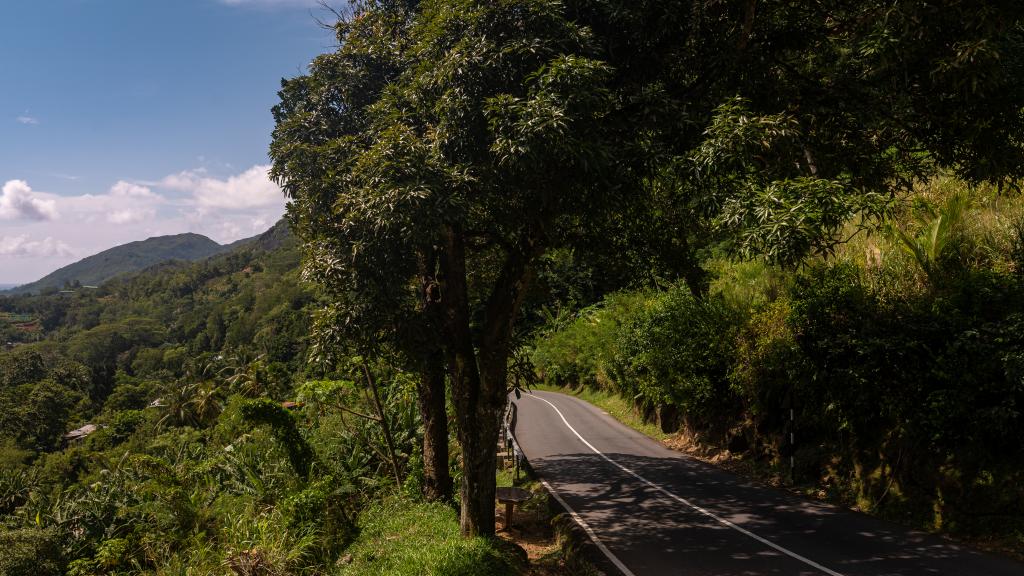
point(586, 528)
point(686, 502)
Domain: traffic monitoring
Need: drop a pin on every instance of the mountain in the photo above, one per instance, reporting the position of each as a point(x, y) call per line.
point(130, 257)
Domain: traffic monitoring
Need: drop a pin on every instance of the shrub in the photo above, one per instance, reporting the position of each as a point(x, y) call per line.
point(30, 551)
point(769, 369)
point(678, 352)
point(581, 353)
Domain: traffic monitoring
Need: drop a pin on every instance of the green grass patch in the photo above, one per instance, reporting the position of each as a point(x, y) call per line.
point(400, 537)
point(615, 405)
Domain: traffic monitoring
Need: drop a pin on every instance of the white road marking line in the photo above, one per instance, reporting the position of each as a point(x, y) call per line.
point(590, 532)
point(682, 500)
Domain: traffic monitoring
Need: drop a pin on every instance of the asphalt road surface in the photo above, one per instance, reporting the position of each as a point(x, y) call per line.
point(655, 512)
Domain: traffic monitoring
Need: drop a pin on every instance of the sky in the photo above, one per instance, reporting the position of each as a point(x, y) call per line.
point(126, 119)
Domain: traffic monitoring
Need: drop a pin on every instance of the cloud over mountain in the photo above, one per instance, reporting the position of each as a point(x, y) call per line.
point(250, 189)
point(18, 202)
point(22, 247)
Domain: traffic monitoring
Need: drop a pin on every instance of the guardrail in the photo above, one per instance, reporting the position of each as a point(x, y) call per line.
point(509, 436)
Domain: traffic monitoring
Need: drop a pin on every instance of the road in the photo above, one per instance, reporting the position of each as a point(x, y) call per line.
point(655, 512)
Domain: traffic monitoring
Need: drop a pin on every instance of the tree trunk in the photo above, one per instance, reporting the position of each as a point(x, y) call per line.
point(479, 378)
point(478, 437)
point(476, 518)
point(437, 481)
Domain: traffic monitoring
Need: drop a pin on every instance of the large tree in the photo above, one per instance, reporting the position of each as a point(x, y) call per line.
point(466, 168)
point(373, 303)
point(448, 144)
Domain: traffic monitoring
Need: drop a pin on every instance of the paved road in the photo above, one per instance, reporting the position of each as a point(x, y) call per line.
point(655, 512)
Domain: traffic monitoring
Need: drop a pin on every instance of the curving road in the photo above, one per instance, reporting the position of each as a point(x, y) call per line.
point(655, 512)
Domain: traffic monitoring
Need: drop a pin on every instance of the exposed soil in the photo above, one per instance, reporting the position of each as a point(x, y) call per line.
point(533, 531)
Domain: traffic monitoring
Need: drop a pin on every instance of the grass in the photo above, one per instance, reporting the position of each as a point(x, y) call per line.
point(399, 537)
point(616, 406)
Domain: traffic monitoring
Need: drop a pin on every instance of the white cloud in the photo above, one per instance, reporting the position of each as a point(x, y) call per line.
point(124, 189)
point(124, 203)
point(18, 201)
point(250, 189)
point(22, 247)
point(130, 216)
point(222, 207)
point(27, 120)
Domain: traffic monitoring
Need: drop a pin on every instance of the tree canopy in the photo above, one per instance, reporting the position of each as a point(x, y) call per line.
point(447, 145)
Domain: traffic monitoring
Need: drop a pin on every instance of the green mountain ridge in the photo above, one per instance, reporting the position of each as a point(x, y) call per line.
point(132, 257)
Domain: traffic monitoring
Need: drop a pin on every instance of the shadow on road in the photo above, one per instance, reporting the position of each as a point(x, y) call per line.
point(655, 534)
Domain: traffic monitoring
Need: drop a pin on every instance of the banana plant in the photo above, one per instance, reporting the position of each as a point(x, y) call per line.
point(940, 233)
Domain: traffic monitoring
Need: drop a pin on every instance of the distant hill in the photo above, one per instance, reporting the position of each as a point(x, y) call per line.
point(131, 257)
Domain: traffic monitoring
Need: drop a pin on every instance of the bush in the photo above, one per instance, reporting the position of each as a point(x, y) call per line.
point(581, 353)
point(678, 352)
point(30, 551)
point(769, 370)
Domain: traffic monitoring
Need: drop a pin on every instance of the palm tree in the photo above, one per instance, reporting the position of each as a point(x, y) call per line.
point(246, 377)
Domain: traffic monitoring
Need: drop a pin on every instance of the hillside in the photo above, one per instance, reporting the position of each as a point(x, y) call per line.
point(131, 257)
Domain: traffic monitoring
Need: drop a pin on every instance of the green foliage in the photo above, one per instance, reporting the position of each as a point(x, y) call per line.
point(40, 417)
point(769, 370)
point(30, 551)
point(935, 245)
point(422, 538)
point(282, 423)
point(325, 506)
point(905, 385)
point(124, 423)
point(678, 352)
point(580, 348)
point(781, 215)
point(22, 366)
point(659, 348)
point(449, 153)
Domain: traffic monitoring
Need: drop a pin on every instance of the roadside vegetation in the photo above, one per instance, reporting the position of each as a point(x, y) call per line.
point(659, 201)
point(218, 448)
point(899, 356)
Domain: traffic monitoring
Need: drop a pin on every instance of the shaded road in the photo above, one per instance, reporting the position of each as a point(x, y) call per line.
point(656, 512)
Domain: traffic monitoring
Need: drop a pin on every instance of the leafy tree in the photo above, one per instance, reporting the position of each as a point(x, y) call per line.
point(22, 366)
point(446, 146)
point(325, 117)
point(39, 418)
point(442, 195)
point(772, 123)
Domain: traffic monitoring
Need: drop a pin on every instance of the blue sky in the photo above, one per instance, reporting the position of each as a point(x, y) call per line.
point(125, 119)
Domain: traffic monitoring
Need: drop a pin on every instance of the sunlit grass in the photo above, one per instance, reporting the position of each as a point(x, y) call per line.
point(399, 537)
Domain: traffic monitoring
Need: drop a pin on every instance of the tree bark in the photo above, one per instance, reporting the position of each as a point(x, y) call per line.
point(437, 480)
point(478, 437)
point(477, 501)
point(479, 374)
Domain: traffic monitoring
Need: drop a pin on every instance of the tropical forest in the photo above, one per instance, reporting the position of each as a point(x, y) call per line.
point(784, 239)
